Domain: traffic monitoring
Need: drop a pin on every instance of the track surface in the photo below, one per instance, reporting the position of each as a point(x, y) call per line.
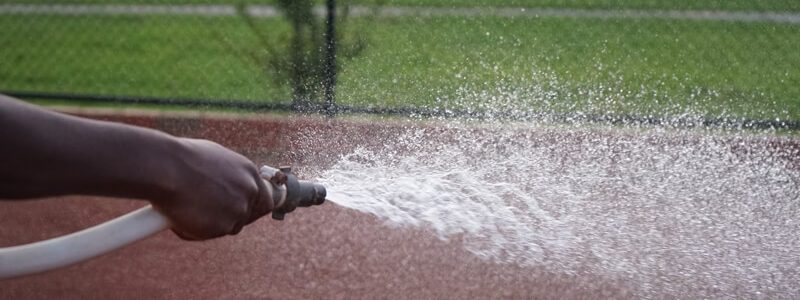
point(325, 252)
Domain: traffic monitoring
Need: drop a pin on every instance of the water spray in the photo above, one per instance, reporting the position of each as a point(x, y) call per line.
point(285, 189)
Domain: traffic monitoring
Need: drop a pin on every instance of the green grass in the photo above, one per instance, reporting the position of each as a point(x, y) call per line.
point(183, 57)
point(762, 5)
point(643, 67)
point(758, 5)
point(557, 64)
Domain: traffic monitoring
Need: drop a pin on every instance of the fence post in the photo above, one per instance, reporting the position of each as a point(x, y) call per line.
point(330, 59)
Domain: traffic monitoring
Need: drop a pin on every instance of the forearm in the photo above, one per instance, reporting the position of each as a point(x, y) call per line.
point(45, 153)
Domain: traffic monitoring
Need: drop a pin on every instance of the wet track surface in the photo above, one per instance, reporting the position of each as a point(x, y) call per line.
point(323, 252)
point(326, 252)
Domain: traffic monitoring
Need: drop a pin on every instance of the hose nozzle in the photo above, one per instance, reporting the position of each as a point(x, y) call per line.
point(290, 192)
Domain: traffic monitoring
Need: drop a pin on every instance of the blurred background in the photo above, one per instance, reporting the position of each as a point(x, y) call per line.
point(702, 59)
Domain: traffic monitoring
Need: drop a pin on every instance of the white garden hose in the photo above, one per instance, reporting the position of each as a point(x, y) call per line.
point(288, 193)
point(82, 245)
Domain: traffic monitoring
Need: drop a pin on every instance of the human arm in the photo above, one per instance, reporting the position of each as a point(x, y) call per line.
point(204, 189)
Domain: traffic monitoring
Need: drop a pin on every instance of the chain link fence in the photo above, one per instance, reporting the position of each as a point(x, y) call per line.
point(534, 60)
point(186, 52)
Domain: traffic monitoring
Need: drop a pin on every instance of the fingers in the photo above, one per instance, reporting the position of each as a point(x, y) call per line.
point(259, 203)
point(244, 214)
point(183, 236)
point(218, 194)
point(237, 228)
point(262, 202)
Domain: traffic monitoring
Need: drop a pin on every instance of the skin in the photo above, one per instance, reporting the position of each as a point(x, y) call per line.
point(206, 190)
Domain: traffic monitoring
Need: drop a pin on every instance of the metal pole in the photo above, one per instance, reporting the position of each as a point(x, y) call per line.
point(330, 59)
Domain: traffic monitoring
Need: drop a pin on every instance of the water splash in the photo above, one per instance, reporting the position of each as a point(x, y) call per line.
point(676, 214)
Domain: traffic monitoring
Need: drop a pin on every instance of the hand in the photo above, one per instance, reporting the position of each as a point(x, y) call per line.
point(216, 192)
point(204, 189)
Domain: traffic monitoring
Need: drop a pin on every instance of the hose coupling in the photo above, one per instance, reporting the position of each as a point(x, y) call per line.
point(289, 192)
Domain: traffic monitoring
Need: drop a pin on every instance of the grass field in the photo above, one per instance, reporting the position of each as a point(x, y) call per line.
point(558, 64)
point(760, 5)
point(621, 65)
point(183, 57)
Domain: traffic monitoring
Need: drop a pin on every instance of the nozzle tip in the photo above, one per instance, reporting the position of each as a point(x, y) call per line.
point(321, 194)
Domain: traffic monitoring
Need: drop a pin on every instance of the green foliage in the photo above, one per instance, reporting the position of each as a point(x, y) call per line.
point(298, 59)
point(304, 59)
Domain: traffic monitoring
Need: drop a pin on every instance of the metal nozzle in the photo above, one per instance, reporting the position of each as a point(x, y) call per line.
point(299, 193)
